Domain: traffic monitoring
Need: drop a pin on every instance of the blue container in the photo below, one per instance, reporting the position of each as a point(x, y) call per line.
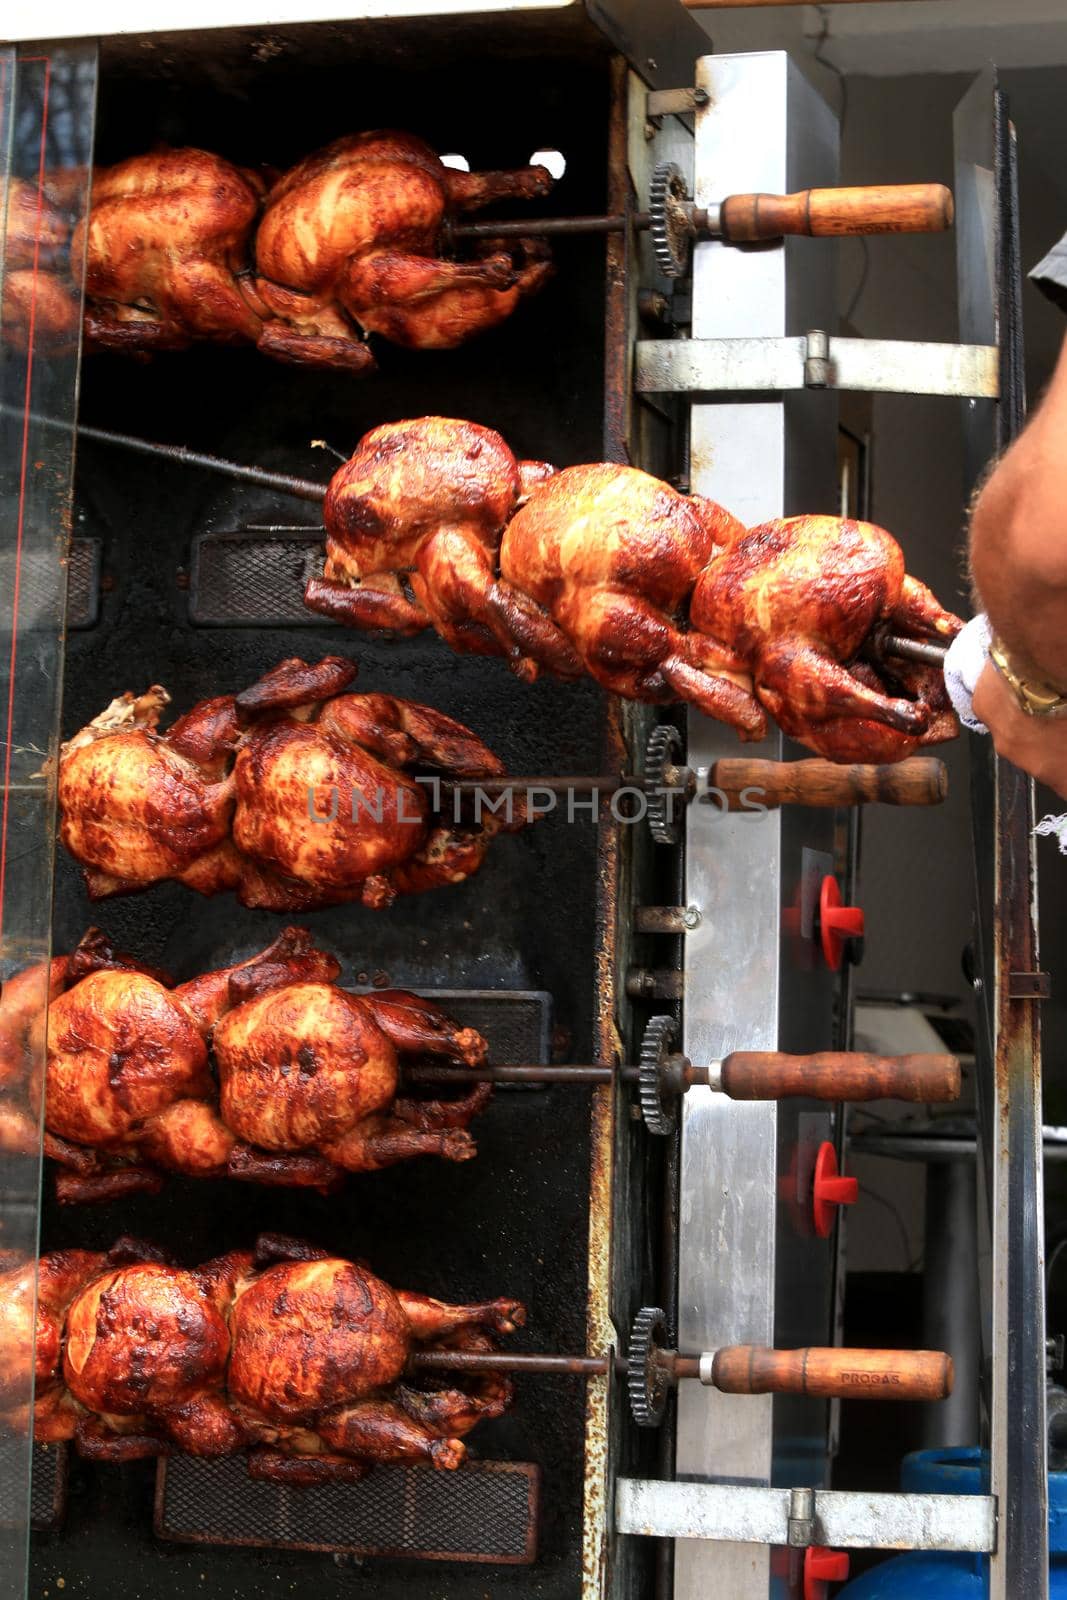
point(934, 1575)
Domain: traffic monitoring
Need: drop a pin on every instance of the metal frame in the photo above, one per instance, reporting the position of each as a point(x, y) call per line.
point(732, 971)
point(660, 47)
point(764, 128)
point(1009, 1050)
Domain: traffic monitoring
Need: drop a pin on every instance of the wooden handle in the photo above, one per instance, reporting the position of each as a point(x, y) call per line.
point(747, 785)
point(833, 1374)
point(881, 208)
point(839, 1075)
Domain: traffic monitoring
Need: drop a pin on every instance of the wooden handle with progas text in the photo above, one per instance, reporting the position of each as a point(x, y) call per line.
point(839, 1075)
point(834, 1374)
point(749, 784)
point(876, 208)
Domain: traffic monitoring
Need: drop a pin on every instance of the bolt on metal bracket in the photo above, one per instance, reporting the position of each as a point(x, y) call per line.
point(675, 102)
point(800, 1527)
point(816, 360)
point(666, 919)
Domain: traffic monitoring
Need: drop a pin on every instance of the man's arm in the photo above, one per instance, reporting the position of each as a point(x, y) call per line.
point(1019, 565)
point(1019, 541)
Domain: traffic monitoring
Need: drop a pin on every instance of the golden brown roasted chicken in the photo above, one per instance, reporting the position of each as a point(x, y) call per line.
point(305, 1087)
point(39, 298)
point(351, 239)
point(659, 596)
point(166, 240)
point(414, 521)
point(298, 1358)
point(181, 245)
point(797, 600)
point(294, 793)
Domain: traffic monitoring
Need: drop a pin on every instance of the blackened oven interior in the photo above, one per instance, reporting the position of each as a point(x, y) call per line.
point(514, 1220)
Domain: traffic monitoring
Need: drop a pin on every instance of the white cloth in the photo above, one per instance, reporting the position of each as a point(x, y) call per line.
point(967, 655)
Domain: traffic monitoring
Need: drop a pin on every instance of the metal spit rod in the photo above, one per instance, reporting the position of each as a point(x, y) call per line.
point(307, 489)
point(745, 1075)
point(734, 1369)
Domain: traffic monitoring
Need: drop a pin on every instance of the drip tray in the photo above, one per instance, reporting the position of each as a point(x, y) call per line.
point(486, 1511)
point(254, 578)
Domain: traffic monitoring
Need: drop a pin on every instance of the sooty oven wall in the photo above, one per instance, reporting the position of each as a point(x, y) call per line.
point(514, 1220)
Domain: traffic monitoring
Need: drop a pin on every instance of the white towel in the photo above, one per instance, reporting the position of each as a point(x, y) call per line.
point(967, 655)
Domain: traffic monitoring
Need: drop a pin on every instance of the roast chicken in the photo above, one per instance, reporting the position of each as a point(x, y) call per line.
point(659, 596)
point(304, 1087)
point(38, 296)
point(797, 600)
point(294, 793)
point(351, 239)
point(298, 1358)
point(182, 245)
point(165, 244)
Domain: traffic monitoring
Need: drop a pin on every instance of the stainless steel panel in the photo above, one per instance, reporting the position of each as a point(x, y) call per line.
point(882, 366)
point(764, 128)
point(856, 1521)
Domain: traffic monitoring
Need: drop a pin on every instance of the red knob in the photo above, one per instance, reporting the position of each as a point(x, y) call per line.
point(830, 1189)
point(836, 923)
point(821, 1567)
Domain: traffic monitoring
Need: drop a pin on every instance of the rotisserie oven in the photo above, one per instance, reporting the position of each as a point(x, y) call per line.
point(418, 450)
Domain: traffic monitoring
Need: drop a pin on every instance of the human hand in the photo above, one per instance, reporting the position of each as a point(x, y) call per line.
point(1038, 745)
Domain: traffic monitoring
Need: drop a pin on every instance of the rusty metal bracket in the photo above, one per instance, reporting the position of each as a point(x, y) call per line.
point(659, 983)
point(1029, 986)
point(666, 919)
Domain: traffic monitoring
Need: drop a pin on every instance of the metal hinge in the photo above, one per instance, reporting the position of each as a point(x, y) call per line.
point(1029, 986)
point(816, 360)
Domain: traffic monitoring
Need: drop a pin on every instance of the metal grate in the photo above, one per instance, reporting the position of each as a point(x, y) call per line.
point(38, 601)
point(253, 577)
point(487, 1511)
point(48, 1484)
point(516, 1023)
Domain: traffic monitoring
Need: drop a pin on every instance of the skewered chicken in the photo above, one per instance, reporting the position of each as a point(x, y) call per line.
point(351, 239)
point(798, 600)
point(291, 1355)
point(294, 793)
point(434, 521)
point(181, 245)
point(165, 242)
point(594, 561)
point(38, 295)
point(429, 500)
point(612, 554)
point(308, 1074)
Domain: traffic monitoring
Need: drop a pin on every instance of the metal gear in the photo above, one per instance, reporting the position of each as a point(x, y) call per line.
point(659, 1111)
point(648, 1383)
point(662, 810)
point(669, 219)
